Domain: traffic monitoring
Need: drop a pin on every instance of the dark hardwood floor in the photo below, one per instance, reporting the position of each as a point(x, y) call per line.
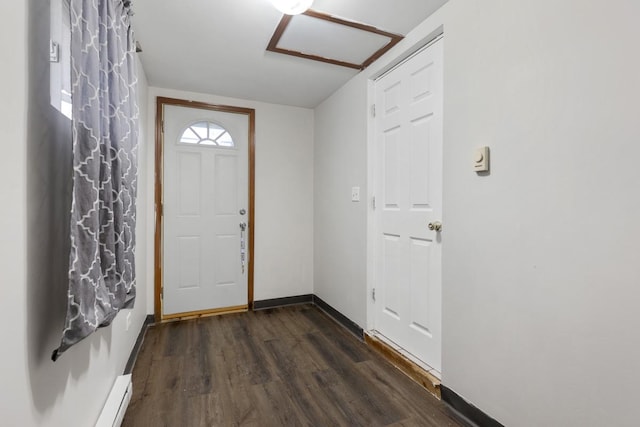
point(289, 366)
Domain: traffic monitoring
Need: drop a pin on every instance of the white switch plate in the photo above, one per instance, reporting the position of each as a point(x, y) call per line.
point(54, 51)
point(355, 194)
point(481, 159)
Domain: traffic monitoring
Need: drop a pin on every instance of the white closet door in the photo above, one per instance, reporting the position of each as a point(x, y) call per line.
point(409, 197)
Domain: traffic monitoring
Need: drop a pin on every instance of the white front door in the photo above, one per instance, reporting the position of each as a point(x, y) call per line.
point(206, 197)
point(408, 189)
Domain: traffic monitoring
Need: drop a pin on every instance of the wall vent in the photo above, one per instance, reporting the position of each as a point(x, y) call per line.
point(114, 409)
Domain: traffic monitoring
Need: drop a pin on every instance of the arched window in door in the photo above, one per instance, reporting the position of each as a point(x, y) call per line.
point(206, 134)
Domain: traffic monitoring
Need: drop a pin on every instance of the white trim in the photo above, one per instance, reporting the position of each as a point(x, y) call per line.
point(414, 50)
point(371, 161)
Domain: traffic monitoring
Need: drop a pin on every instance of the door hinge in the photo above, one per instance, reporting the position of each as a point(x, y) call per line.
point(162, 293)
point(373, 294)
point(373, 110)
point(373, 202)
point(162, 126)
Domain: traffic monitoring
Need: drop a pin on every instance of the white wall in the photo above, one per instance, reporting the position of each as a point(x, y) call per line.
point(540, 274)
point(284, 193)
point(34, 222)
point(340, 227)
point(14, 406)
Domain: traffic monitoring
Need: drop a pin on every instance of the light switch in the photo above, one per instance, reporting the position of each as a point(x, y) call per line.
point(481, 159)
point(355, 194)
point(54, 51)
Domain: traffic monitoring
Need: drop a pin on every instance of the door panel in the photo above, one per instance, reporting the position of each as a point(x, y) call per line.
point(225, 195)
point(408, 175)
point(189, 249)
point(190, 183)
point(205, 185)
point(225, 262)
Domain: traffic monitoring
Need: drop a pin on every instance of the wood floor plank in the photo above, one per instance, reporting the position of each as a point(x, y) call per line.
point(403, 390)
point(287, 366)
point(299, 388)
point(367, 394)
point(296, 322)
point(145, 357)
point(275, 408)
point(208, 410)
point(250, 352)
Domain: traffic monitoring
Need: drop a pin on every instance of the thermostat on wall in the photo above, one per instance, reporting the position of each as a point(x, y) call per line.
point(481, 159)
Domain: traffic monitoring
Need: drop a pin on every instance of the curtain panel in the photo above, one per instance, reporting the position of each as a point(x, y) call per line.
point(105, 135)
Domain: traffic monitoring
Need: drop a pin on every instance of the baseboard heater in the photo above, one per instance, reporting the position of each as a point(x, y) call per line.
point(113, 412)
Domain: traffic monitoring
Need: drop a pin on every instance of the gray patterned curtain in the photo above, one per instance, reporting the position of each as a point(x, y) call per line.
point(105, 135)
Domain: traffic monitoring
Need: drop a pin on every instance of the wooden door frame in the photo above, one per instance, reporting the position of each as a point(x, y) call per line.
point(159, 207)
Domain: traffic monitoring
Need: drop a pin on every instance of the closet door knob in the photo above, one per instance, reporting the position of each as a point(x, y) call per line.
point(435, 226)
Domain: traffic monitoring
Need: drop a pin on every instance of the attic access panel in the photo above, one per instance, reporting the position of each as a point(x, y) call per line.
point(322, 37)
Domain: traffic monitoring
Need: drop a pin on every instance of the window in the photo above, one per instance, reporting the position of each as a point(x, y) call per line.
point(206, 134)
point(60, 56)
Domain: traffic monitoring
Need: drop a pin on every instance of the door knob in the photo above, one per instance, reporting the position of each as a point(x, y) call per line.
point(435, 226)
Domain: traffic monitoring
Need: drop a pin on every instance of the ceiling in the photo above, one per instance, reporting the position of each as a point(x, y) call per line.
point(219, 46)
